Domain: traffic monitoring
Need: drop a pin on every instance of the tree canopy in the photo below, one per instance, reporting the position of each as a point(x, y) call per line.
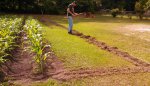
point(59, 6)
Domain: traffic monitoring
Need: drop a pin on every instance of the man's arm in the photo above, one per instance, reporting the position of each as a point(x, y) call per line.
point(68, 10)
point(74, 12)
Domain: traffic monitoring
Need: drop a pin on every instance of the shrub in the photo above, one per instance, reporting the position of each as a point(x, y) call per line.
point(114, 12)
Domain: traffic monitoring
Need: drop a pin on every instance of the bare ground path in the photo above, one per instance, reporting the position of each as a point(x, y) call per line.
point(84, 73)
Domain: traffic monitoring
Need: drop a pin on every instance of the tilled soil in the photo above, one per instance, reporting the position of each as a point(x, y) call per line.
point(21, 68)
point(84, 73)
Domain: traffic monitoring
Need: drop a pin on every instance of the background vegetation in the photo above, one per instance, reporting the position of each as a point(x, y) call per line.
point(58, 6)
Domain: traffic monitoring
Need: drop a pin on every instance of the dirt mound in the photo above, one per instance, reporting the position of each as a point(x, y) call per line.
point(54, 65)
point(117, 52)
point(22, 67)
point(83, 73)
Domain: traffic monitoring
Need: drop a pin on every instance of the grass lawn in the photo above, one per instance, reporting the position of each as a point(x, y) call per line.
point(115, 32)
point(77, 53)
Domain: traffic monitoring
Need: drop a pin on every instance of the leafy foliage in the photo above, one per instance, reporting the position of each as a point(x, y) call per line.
point(35, 36)
point(148, 5)
point(114, 12)
point(128, 5)
point(141, 6)
point(9, 28)
point(59, 6)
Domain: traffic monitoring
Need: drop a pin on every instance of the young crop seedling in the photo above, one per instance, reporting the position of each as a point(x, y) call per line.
point(9, 30)
point(35, 36)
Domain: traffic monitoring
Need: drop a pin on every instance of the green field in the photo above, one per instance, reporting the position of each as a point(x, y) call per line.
point(77, 53)
point(109, 44)
point(124, 33)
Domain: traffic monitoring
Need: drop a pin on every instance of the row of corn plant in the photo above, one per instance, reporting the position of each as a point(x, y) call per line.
point(36, 40)
point(9, 28)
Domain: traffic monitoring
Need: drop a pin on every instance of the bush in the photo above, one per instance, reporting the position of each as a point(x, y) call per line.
point(114, 12)
point(141, 7)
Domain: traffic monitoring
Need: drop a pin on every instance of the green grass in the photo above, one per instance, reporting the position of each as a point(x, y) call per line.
point(111, 30)
point(76, 53)
point(139, 79)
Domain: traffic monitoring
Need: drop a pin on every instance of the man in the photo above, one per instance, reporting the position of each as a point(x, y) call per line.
point(70, 13)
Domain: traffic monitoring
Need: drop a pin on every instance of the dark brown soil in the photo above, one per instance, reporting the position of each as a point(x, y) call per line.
point(21, 68)
point(53, 64)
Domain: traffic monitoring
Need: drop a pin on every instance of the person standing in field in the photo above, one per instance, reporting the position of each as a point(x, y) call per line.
point(70, 13)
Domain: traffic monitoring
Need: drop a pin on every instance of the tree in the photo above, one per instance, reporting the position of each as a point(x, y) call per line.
point(140, 7)
point(148, 5)
point(130, 5)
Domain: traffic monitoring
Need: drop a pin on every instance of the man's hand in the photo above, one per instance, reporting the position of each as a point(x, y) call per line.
point(76, 14)
point(80, 13)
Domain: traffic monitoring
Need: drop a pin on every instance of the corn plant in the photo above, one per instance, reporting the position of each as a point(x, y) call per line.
point(35, 36)
point(9, 28)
